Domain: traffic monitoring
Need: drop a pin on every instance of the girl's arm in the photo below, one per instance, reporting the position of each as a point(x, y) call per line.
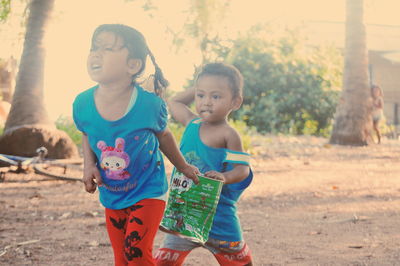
point(380, 103)
point(90, 171)
point(239, 171)
point(179, 106)
point(170, 149)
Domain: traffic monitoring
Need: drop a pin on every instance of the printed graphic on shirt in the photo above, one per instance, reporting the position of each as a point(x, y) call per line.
point(192, 158)
point(114, 160)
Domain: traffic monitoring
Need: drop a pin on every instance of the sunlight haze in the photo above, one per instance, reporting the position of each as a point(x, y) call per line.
point(69, 32)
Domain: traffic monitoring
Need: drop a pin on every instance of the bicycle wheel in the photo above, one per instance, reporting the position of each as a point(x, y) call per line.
point(69, 172)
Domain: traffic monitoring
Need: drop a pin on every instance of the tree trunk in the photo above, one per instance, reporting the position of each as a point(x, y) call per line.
point(353, 122)
point(28, 125)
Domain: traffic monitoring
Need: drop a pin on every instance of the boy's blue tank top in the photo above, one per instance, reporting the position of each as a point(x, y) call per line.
point(226, 225)
point(127, 149)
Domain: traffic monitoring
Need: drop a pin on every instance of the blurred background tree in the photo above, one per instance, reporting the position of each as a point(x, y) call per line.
point(5, 7)
point(289, 88)
point(353, 123)
point(28, 125)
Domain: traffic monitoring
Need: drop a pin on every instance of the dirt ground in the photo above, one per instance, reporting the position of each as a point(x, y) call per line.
point(310, 204)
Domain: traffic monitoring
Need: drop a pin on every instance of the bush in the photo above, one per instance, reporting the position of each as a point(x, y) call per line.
point(245, 133)
point(66, 124)
point(177, 130)
point(289, 88)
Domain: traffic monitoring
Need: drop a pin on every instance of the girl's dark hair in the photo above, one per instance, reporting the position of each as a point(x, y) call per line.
point(224, 70)
point(374, 86)
point(136, 44)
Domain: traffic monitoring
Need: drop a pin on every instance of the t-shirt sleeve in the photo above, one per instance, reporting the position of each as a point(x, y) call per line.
point(75, 115)
point(162, 118)
point(237, 157)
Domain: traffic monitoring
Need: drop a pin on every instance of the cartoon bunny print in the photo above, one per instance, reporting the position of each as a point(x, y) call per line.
point(114, 160)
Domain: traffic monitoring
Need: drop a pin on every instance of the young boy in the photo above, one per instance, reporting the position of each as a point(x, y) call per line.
point(213, 146)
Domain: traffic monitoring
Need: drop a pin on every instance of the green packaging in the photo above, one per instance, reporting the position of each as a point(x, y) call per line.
point(191, 208)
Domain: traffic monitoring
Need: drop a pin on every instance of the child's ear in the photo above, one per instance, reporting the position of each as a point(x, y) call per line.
point(237, 102)
point(134, 65)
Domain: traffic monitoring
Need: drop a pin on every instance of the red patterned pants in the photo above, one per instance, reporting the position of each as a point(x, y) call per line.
point(132, 231)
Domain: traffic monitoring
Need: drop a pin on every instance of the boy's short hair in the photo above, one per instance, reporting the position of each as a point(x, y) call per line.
point(224, 70)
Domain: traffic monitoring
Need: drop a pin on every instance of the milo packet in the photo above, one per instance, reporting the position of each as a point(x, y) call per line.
point(190, 208)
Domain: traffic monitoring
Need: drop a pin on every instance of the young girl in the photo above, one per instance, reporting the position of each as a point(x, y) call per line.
point(377, 109)
point(124, 127)
point(212, 145)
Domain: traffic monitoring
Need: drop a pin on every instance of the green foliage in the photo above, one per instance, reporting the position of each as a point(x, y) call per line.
point(289, 88)
point(5, 7)
point(204, 19)
point(66, 124)
point(176, 129)
point(388, 130)
point(245, 133)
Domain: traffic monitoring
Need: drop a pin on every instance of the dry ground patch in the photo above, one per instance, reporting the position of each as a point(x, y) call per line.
point(310, 204)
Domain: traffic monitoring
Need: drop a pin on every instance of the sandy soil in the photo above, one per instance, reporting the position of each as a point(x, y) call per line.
point(310, 204)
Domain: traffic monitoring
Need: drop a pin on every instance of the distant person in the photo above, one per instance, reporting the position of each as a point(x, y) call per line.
point(124, 128)
point(377, 109)
point(211, 144)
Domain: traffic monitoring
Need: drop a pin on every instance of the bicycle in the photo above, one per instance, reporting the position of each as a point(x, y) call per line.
point(64, 169)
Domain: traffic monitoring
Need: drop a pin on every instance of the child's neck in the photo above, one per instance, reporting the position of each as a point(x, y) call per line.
point(213, 134)
point(115, 90)
point(112, 101)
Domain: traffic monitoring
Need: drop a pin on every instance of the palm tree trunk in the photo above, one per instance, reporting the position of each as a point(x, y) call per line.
point(28, 125)
point(27, 104)
point(353, 122)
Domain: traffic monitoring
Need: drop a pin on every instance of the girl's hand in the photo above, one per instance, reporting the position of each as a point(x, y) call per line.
point(191, 172)
point(91, 178)
point(215, 175)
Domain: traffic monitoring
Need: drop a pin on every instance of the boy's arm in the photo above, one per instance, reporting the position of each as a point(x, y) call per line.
point(239, 171)
point(179, 106)
point(237, 174)
point(170, 149)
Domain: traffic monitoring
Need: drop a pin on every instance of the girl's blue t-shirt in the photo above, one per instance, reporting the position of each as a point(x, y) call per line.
point(127, 149)
point(226, 224)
